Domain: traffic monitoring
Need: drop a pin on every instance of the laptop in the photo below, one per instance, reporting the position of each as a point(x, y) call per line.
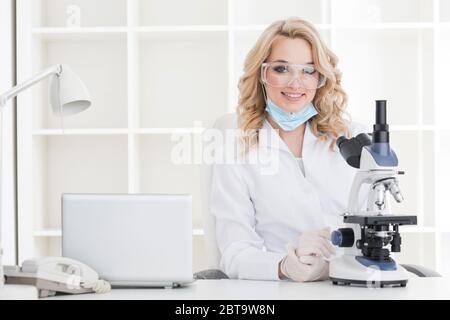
point(131, 240)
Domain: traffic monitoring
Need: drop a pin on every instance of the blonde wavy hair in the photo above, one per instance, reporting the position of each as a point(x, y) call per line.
point(329, 100)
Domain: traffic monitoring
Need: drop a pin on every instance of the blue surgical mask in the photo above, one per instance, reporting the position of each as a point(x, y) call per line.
point(288, 121)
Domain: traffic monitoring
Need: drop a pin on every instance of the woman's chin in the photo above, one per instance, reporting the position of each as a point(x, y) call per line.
point(293, 107)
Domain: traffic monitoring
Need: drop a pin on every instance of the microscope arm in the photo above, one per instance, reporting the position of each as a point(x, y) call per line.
point(366, 177)
point(361, 177)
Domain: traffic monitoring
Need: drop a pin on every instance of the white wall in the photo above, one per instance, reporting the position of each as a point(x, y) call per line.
point(7, 190)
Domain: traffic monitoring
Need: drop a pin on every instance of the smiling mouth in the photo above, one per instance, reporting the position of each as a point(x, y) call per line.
point(293, 95)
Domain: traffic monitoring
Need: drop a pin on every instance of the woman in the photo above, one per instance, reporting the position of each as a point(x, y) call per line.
point(274, 226)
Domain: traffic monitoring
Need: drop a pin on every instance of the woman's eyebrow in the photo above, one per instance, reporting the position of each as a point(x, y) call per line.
point(284, 61)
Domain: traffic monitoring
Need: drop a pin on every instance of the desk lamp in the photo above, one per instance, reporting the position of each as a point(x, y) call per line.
point(68, 96)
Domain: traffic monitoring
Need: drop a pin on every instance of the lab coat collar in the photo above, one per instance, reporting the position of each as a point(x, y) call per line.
point(273, 140)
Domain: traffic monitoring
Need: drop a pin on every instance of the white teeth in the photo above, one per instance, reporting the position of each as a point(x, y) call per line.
point(293, 95)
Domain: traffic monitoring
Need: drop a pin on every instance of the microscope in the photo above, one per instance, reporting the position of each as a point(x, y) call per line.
point(371, 232)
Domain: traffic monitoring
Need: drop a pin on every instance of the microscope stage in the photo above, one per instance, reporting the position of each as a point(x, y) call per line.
point(381, 220)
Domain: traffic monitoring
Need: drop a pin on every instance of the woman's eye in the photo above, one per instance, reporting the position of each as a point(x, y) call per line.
point(281, 69)
point(309, 70)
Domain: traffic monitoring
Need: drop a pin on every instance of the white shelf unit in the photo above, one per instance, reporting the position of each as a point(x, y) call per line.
point(161, 67)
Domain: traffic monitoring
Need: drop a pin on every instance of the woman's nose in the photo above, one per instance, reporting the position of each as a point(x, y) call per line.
point(295, 83)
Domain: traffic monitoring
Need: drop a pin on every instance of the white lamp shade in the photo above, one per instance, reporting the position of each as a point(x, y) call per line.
point(68, 94)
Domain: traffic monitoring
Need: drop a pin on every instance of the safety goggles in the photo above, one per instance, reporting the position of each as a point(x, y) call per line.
point(283, 74)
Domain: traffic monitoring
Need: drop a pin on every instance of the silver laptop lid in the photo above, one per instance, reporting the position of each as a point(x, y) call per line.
point(130, 238)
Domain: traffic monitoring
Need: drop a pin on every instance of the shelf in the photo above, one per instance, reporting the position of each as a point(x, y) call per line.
point(74, 164)
point(57, 32)
point(191, 82)
point(382, 11)
point(95, 132)
point(76, 132)
point(384, 26)
point(144, 131)
point(52, 232)
point(55, 232)
point(46, 246)
point(411, 127)
point(422, 128)
point(69, 30)
point(167, 172)
point(353, 26)
point(442, 108)
point(198, 232)
point(399, 78)
point(166, 35)
point(442, 175)
point(179, 29)
point(102, 68)
point(443, 26)
point(264, 12)
point(174, 12)
point(61, 34)
point(261, 27)
point(442, 252)
point(61, 13)
point(243, 42)
point(414, 151)
point(444, 6)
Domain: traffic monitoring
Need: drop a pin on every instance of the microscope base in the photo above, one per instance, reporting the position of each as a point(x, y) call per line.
point(371, 284)
point(346, 270)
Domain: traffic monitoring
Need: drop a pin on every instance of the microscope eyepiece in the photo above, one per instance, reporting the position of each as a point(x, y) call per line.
point(351, 149)
point(363, 139)
point(380, 116)
point(340, 140)
point(380, 128)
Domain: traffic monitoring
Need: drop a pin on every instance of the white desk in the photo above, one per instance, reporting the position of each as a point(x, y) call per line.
point(417, 288)
point(20, 292)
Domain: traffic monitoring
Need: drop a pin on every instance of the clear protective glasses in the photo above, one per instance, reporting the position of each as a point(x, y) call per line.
point(282, 74)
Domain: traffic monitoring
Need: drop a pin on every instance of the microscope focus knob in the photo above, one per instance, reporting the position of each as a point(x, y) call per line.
point(343, 237)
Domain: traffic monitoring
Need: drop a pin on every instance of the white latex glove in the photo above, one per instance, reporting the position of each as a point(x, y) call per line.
point(315, 243)
point(306, 261)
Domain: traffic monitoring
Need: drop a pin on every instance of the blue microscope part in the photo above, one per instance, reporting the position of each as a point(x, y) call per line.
point(336, 238)
point(383, 154)
point(383, 266)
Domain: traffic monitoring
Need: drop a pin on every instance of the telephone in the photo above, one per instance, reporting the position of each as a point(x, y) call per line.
point(56, 274)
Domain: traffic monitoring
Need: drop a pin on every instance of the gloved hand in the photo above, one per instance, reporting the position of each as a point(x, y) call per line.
point(306, 261)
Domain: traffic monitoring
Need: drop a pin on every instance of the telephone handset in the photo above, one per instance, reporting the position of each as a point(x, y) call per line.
point(56, 274)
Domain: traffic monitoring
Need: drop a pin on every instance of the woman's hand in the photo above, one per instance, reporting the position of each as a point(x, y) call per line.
point(306, 261)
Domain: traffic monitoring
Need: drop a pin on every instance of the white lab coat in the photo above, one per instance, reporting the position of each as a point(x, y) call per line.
point(258, 214)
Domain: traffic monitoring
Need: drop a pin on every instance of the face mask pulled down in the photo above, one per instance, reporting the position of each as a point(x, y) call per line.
point(288, 121)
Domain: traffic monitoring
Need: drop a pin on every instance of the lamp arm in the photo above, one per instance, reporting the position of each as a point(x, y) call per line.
point(11, 93)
